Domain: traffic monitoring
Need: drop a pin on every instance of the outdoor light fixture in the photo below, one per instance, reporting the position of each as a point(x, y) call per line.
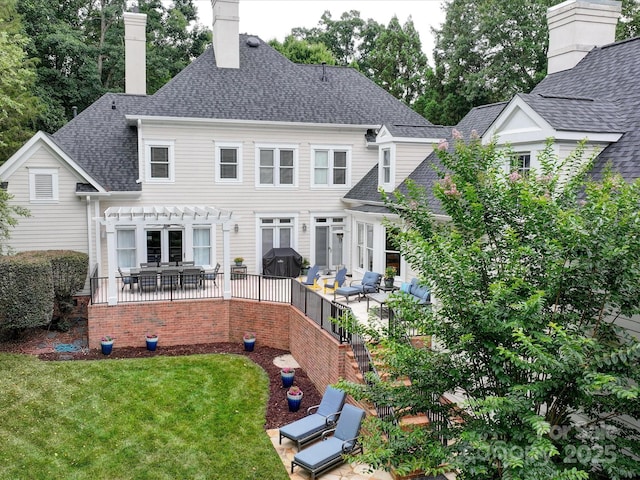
point(236, 228)
point(304, 227)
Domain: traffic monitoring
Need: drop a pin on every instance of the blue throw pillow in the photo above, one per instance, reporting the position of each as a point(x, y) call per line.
point(405, 287)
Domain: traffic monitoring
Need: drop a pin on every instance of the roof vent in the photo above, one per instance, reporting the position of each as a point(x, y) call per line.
point(113, 105)
point(324, 72)
point(253, 42)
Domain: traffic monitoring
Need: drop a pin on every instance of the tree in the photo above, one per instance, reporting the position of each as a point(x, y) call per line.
point(529, 276)
point(17, 103)
point(397, 62)
point(80, 50)
point(301, 51)
point(488, 50)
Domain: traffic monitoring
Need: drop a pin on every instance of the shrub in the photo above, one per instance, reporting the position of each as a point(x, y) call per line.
point(26, 292)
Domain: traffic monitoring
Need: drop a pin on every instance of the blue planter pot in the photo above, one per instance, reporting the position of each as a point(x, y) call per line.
point(106, 348)
point(287, 379)
point(152, 344)
point(294, 402)
point(248, 345)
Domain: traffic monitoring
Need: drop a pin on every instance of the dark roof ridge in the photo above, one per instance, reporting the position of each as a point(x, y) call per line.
point(619, 42)
point(565, 97)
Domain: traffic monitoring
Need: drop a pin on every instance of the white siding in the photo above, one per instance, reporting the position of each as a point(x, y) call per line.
point(195, 177)
point(61, 225)
point(408, 157)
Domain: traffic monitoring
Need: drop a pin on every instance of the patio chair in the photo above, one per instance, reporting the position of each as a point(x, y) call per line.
point(192, 277)
point(127, 279)
point(370, 283)
point(328, 453)
point(213, 274)
point(334, 283)
point(312, 278)
point(319, 419)
point(148, 278)
point(169, 278)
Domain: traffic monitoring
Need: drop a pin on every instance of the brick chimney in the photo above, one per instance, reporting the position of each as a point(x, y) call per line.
point(576, 27)
point(135, 52)
point(226, 42)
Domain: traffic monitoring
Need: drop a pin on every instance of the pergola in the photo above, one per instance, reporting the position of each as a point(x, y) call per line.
point(165, 215)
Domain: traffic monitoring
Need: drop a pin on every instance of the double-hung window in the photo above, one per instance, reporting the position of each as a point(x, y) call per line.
point(365, 245)
point(160, 161)
point(202, 246)
point(276, 165)
point(331, 166)
point(126, 247)
point(228, 162)
point(386, 168)
point(521, 163)
point(43, 185)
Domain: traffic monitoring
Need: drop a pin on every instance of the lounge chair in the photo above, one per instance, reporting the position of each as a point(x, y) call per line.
point(319, 419)
point(335, 283)
point(328, 453)
point(312, 278)
point(370, 283)
point(127, 279)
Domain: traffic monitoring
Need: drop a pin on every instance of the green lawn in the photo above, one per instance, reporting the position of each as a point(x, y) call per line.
point(196, 417)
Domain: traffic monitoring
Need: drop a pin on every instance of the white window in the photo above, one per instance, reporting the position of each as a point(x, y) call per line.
point(331, 166)
point(202, 246)
point(277, 165)
point(228, 162)
point(160, 161)
point(521, 163)
point(386, 168)
point(43, 185)
point(365, 246)
point(126, 247)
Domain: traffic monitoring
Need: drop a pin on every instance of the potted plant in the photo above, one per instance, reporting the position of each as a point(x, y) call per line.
point(249, 340)
point(389, 276)
point(287, 374)
point(304, 268)
point(106, 343)
point(152, 341)
point(294, 398)
point(238, 260)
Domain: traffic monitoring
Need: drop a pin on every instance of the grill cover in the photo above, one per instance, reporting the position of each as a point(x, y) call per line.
point(281, 262)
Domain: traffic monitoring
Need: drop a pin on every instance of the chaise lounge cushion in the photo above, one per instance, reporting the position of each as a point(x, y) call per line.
point(419, 293)
point(323, 418)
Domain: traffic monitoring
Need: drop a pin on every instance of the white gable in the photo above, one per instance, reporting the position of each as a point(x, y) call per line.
point(519, 123)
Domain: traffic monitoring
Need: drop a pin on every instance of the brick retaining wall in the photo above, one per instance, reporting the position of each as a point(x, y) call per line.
point(276, 325)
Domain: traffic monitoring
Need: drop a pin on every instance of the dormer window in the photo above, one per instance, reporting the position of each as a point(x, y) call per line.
point(386, 167)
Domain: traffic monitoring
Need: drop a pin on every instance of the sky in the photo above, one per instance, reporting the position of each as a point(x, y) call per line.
point(270, 19)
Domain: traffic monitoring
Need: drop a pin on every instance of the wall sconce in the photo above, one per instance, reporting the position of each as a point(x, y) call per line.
point(236, 228)
point(304, 227)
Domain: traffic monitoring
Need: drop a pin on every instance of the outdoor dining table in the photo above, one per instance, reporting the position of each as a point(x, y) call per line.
point(135, 272)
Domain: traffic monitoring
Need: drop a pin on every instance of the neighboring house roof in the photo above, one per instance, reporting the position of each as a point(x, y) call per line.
point(266, 87)
point(102, 143)
point(607, 75)
point(269, 87)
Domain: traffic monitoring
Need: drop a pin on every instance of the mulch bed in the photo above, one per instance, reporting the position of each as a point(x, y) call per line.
point(277, 414)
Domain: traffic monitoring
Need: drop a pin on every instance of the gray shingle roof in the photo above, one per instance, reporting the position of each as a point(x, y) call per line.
point(425, 174)
point(269, 87)
point(607, 74)
point(577, 114)
point(100, 141)
point(266, 87)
